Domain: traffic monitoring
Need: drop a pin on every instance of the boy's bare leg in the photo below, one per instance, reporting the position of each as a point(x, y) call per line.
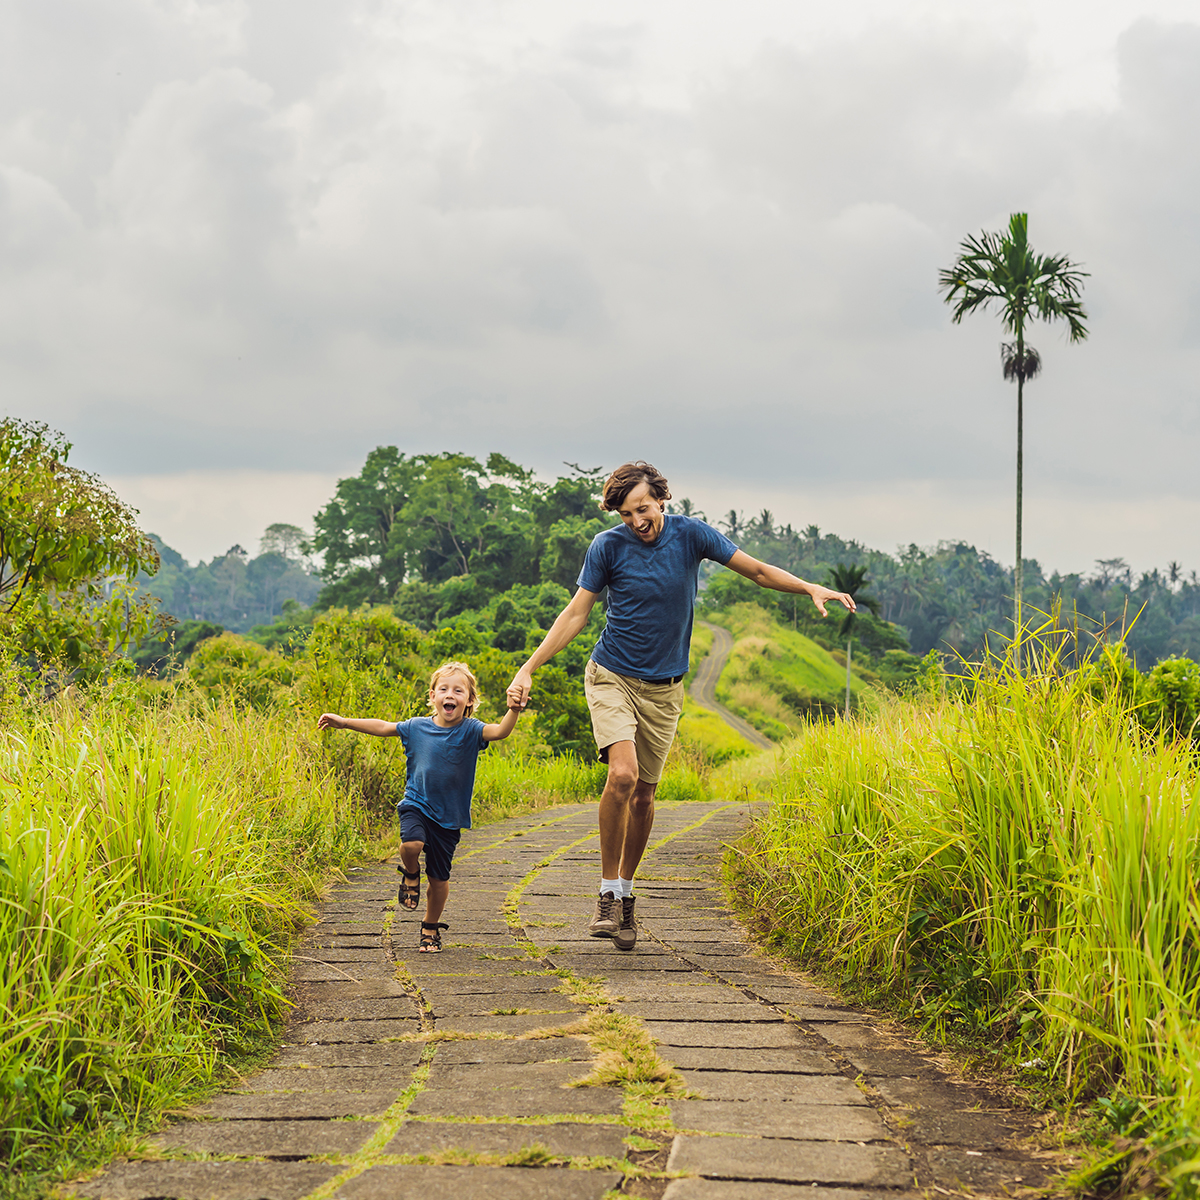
point(410, 856)
point(626, 814)
point(410, 866)
point(435, 898)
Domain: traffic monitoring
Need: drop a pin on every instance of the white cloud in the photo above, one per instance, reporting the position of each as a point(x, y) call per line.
point(267, 235)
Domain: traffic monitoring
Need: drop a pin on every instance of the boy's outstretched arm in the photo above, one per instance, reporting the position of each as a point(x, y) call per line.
point(370, 725)
point(505, 726)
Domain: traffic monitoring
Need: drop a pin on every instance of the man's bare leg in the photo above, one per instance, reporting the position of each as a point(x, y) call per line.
point(619, 789)
point(638, 824)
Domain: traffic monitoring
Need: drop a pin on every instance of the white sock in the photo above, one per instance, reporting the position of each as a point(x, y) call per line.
point(626, 888)
point(611, 885)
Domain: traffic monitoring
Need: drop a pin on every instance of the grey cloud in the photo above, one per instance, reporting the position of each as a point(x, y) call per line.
point(296, 230)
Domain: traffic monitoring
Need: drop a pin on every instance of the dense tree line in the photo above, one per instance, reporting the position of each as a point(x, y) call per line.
point(955, 597)
point(437, 535)
point(235, 590)
point(446, 540)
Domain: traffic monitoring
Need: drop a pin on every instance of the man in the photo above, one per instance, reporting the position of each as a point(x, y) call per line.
point(634, 681)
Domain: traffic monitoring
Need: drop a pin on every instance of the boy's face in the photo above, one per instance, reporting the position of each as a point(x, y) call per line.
point(450, 697)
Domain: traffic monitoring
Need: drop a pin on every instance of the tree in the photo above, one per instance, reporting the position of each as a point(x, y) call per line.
point(282, 539)
point(1002, 268)
point(851, 580)
point(66, 540)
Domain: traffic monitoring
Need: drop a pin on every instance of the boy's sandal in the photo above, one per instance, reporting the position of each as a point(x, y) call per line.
point(410, 893)
point(431, 936)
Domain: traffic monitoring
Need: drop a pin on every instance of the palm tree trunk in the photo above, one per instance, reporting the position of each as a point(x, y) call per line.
point(1019, 571)
point(849, 643)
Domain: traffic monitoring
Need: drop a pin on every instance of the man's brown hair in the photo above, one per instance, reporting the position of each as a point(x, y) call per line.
point(626, 477)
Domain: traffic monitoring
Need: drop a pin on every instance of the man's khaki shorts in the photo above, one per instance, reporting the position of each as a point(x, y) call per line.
point(631, 710)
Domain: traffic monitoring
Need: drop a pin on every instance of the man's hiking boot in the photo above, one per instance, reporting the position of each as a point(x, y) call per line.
point(606, 922)
point(626, 936)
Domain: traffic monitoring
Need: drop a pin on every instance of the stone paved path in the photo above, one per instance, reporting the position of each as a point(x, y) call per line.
point(432, 1076)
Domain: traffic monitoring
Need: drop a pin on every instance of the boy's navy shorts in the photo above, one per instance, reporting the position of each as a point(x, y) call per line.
point(440, 842)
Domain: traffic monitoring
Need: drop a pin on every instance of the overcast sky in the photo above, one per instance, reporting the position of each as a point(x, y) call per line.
point(244, 241)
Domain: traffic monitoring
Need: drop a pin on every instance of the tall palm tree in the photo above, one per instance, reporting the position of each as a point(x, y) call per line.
point(851, 580)
point(1002, 267)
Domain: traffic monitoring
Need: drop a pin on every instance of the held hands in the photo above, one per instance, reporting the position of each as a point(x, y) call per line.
point(519, 689)
point(331, 721)
point(823, 595)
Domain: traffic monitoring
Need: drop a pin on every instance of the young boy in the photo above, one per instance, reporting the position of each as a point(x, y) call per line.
point(442, 752)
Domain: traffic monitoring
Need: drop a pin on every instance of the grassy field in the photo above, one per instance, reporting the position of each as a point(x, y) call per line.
point(774, 675)
point(1015, 863)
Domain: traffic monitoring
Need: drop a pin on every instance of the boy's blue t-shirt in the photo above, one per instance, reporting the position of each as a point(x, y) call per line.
point(651, 594)
point(441, 768)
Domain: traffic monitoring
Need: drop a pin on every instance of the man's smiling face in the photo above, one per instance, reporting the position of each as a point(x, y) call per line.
point(642, 513)
point(450, 698)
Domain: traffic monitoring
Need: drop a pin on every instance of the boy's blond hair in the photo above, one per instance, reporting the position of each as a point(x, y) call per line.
point(457, 668)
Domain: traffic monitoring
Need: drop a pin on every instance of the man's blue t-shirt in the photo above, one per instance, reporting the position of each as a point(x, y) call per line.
point(441, 768)
point(651, 592)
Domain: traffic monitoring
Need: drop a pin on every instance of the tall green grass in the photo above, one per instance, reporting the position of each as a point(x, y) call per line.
point(154, 865)
point(1018, 860)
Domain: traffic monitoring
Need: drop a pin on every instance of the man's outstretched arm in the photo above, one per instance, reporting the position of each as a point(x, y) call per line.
point(780, 580)
point(566, 627)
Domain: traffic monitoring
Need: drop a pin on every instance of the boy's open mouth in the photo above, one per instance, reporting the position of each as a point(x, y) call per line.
point(449, 707)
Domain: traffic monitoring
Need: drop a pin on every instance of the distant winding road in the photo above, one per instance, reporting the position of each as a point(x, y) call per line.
point(704, 687)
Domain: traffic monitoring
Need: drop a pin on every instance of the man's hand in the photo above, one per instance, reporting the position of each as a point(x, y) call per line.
point(519, 689)
point(331, 721)
point(823, 595)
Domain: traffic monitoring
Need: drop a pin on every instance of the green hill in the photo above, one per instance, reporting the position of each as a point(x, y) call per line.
point(776, 678)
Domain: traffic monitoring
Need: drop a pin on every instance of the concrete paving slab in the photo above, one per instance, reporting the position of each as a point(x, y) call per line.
point(325, 1033)
point(341, 941)
point(742, 1189)
point(785, 1160)
point(301, 1107)
point(569, 1140)
point(748, 1012)
point(478, 1183)
point(800, 1060)
point(377, 988)
point(759, 1085)
point(327, 1079)
point(507, 1077)
point(769, 1118)
point(267, 1139)
point(387, 1054)
point(490, 1004)
point(316, 972)
point(706, 992)
point(357, 1008)
point(333, 955)
point(880, 1064)
point(514, 1051)
point(819, 1016)
point(490, 985)
point(510, 1025)
point(204, 1181)
point(854, 1036)
point(734, 1037)
point(528, 1103)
